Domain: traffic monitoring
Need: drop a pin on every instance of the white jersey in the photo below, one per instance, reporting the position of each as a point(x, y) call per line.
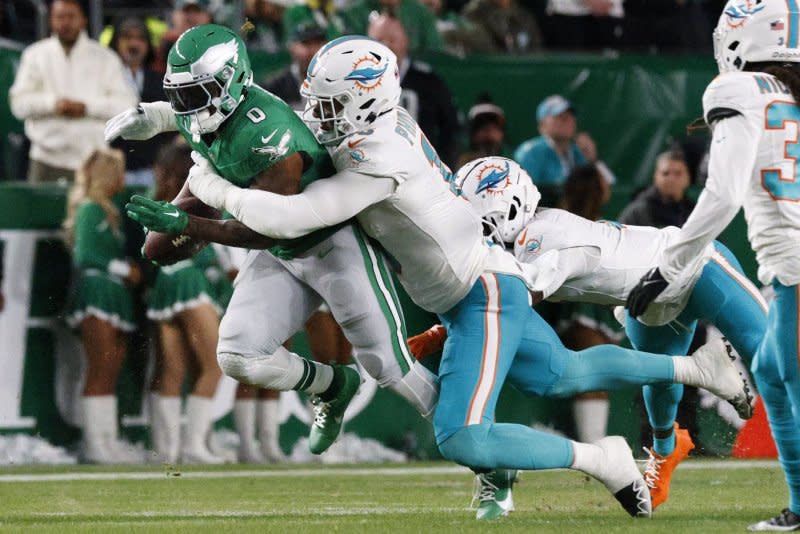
point(772, 200)
point(753, 164)
point(614, 259)
point(429, 230)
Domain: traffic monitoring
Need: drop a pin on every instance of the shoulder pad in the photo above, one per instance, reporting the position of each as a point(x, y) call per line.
point(734, 93)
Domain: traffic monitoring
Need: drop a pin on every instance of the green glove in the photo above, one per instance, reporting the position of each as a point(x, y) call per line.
point(157, 216)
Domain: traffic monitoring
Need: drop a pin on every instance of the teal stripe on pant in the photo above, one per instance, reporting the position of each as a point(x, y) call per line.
point(775, 369)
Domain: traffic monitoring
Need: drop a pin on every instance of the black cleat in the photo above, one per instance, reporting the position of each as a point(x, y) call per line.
point(787, 521)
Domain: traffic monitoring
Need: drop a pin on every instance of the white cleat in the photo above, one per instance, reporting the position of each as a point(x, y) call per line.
point(200, 455)
point(718, 374)
point(622, 478)
point(786, 521)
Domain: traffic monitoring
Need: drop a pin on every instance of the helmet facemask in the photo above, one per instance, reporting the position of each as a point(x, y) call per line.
point(326, 117)
point(204, 101)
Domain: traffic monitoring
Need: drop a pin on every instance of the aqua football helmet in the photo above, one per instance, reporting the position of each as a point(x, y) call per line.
point(751, 31)
point(501, 193)
point(351, 81)
point(208, 72)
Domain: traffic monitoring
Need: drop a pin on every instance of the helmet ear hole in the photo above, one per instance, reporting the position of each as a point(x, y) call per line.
point(512, 211)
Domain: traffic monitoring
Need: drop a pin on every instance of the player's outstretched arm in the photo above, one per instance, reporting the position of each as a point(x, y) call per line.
point(142, 122)
point(324, 203)
point(733, 154)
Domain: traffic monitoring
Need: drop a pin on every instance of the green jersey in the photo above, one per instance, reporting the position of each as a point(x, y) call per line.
point(262, 131)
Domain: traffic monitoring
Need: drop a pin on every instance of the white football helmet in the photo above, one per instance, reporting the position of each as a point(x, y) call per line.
point(757, 30)
point(350, 82)
point(501, 193)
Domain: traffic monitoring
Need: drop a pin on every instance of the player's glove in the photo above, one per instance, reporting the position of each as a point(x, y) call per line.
point(208, 186)
point(142, 122)
point(649, 287)
point(157, 216)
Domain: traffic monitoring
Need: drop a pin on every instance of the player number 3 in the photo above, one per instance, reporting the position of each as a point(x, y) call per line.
point(779, 185)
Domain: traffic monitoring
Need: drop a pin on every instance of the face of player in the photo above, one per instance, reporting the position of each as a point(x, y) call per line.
point(327, 110)
point(303, 51)
point(671, 178)
point(561, 127)
point(132, 47)
point(488, 139)
point(66, 22)
point(195, 16)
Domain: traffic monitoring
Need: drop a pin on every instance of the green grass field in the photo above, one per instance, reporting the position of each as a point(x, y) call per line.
point(706, 497)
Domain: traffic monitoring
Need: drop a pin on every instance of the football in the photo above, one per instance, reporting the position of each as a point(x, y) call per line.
point(166, 249)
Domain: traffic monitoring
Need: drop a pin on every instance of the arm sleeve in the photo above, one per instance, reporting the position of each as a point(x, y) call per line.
point(326, 202)
point(117, 95)
point(28, 96)
point(734, 146)
point(86, 253)
point(551, 269)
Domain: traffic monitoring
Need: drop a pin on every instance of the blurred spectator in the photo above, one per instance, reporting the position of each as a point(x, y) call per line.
point(101, 307)
point(460, 35)
point(588, 148)
point(263, 29)
point(487, 133)
point(66, 87)
point(304, 41)
point(550, 157)
point(511, 28)
point(131, 40)
point(182, 305)
point(585, 24)
point(187, 14)
point(418, 21)
point(321, 13)
point(671, 25)
point(664, 203)
point(585, 325)
point(424, 94)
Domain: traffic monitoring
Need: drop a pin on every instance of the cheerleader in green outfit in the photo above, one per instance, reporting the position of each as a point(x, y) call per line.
point(182, 305)
point(101, 306)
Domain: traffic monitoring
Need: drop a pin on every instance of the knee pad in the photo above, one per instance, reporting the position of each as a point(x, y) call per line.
point(271, 371)
point(420, 388)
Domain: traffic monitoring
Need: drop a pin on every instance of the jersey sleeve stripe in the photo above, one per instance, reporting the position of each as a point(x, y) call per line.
point(718, 114)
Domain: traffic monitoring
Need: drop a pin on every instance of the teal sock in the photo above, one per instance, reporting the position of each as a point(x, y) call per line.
point(664, 446)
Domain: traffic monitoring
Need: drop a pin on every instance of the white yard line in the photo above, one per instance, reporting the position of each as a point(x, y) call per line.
point(325, 472)
point(325, 511)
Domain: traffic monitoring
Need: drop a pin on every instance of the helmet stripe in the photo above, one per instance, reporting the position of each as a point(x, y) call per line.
point(794, 23)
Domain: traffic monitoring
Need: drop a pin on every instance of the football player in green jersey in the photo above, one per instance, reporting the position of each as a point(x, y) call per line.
point(253, 139)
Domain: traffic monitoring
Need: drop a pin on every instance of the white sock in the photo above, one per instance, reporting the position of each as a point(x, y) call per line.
point(323, 376)
point(268, 423)
point(685, 370)
point(198, 421)
point(165, 426)
point(244, 418)
point(591, 419)
point(587, 458)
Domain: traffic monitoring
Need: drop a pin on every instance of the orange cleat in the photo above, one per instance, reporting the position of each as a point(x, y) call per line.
point(658, 472)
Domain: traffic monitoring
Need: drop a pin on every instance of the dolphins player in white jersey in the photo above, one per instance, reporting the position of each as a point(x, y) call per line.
point(392, 180)
point(752, 110)
point(578, 260)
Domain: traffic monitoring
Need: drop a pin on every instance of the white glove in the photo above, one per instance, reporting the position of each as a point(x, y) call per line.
point(208, 186)
point(142, 122)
